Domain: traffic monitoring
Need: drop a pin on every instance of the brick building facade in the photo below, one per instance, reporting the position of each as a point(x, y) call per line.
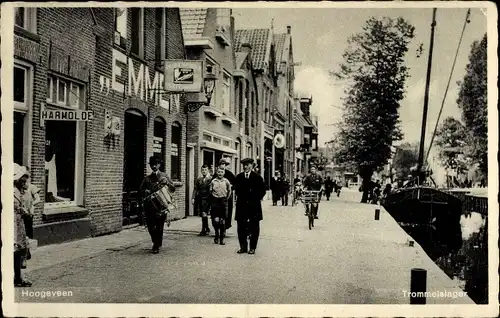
point(99, 65)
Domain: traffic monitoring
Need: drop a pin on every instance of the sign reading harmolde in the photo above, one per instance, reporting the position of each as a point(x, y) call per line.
point(63, 114)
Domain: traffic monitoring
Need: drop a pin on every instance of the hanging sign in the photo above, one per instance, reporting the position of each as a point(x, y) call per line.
point(279, 141)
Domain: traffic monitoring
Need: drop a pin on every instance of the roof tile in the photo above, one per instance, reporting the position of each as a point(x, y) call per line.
point(258, 39)
point(193, 22)
point(279, 40)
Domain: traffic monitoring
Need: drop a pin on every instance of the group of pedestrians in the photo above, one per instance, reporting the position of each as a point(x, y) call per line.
point(26, 197)
point(280, 188)
point(213, 196)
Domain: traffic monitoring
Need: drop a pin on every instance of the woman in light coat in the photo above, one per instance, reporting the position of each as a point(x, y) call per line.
point(21, 177)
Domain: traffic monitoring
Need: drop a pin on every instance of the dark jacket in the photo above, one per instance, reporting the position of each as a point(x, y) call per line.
point(249, 194)
point(313, 182)
point(153, 183)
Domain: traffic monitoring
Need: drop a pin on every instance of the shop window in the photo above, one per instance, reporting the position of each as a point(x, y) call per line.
point(159, 136)
point(19, 125)
point(175, 162)
point(64, 145)
point(137, 34)
point(25, 18)
point(121, 21)
point(208, 159)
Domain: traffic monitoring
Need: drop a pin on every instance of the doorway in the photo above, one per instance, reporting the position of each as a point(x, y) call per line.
point(134, 160)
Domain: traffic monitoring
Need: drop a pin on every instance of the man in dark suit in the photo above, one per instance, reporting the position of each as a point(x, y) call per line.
point(250, 190)
point(155, 219)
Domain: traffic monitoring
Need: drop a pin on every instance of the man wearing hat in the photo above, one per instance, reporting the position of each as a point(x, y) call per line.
point(250, 190)
point(21, 177)
point(225, 162)
point(155, 220)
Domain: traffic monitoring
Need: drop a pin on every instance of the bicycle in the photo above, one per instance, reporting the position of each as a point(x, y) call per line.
point(311, 199)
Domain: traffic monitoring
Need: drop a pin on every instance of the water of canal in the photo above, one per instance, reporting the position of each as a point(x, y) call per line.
point(460, 251)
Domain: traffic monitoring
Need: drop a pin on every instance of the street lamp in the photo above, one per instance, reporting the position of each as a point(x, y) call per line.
point(208, 86)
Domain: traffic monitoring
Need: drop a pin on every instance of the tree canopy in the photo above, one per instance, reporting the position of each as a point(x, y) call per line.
point(472, 100)
point(405, 158)
point(452, 139)
point(375, 68)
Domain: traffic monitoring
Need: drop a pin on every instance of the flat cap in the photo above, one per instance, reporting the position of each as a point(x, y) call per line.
point(246, 161)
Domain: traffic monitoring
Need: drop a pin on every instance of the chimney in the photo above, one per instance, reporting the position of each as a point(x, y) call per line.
point(289, 29)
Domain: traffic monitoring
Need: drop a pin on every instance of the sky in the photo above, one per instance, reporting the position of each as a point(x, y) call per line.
point(319, 38)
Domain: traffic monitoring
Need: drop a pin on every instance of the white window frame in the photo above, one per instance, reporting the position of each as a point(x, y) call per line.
point(79, 144)
point(23, 106)
point(121, 22)
point(141, 33)
point(29, 19)
point(226, 92)
point(27, 109)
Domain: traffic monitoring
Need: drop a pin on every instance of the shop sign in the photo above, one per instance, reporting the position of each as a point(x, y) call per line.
point(65, 115)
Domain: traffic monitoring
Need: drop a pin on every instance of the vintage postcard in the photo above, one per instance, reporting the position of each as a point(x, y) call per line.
point(259, 159)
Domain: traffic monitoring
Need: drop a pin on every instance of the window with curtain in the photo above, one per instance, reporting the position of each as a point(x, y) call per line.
point(175, 155)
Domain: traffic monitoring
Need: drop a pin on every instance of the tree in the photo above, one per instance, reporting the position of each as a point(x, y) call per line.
point(452, 139)
point(374, 66)
point(405, 158)
point(472, 100)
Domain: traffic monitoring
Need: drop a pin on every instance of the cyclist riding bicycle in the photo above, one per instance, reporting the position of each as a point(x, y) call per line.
point(314, 182)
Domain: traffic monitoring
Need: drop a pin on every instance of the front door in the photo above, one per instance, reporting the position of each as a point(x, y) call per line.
point(133, 164)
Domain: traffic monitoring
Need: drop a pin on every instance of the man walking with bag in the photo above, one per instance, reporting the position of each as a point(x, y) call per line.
point(250, 190)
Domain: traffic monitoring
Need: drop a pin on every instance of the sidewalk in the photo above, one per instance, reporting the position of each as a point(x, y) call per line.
point(51, 255)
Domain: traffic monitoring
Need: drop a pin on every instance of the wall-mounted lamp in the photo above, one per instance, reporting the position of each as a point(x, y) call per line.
point(208, 86)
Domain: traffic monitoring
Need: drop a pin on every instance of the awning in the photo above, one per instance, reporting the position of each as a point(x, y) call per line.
point(219, 147)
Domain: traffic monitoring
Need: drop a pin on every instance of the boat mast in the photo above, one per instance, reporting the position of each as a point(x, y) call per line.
point(420, 165)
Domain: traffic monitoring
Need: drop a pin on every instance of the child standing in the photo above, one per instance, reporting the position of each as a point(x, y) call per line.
point(220, 191)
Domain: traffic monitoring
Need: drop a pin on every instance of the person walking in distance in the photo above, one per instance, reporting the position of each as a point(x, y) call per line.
point(201, 199)
point(250, 190)
point(329, 186)
point(155, 219)
point(285, 188)
point(220, 192)
point(313, 181)
point(276, 187)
